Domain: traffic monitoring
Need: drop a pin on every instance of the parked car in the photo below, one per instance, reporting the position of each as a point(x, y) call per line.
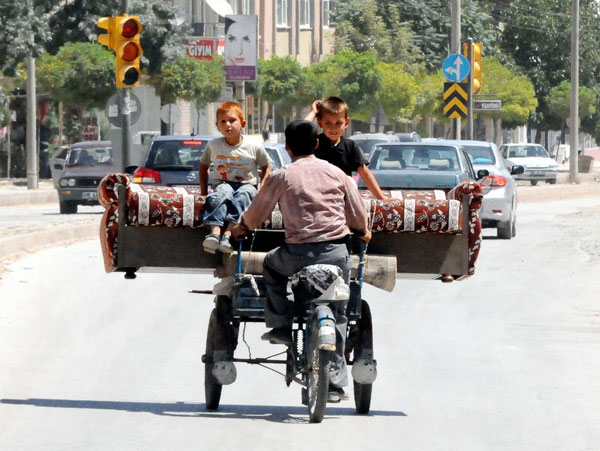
point(408, 137)
point(366, 141)
point(85, 166)
point(499, 208)
point(535, 160)
point(420, 166)
point(172, 160)
point(279, 156)
point(57, 163)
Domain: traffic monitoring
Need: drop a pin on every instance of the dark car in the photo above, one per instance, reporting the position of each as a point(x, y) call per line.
point(172, 160)
point(420, 166)
point(85, 166)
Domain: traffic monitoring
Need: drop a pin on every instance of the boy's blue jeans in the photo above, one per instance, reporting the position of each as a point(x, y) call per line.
point(227, 202)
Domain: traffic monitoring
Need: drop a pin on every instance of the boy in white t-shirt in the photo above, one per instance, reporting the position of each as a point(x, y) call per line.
point(236, 160)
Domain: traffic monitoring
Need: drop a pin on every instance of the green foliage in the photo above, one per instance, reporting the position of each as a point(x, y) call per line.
point(559, 101)
point(51, 26)
point(281, 79)
point(80, 75)
point(398, 94)
point(349, 75)
point(198, 81)
point(367, 26)
point(515, 91)
point(429, 95)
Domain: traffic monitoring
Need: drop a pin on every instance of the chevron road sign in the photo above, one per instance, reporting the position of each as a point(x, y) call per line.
point(455, 100)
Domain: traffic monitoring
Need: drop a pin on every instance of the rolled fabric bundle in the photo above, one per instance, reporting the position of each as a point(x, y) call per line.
point(379, 270)
point(107, 189)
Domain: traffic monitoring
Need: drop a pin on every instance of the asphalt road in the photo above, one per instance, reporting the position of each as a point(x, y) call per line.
point(506, 360)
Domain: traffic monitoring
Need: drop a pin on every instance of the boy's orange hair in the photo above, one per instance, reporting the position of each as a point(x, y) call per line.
point(333, 105)
point(234, 107)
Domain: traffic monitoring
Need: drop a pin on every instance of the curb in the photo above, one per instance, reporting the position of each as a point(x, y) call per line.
point(11, 198)
point(13, 245)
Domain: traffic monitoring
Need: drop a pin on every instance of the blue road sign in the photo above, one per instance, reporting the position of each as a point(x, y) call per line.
point(455, 67)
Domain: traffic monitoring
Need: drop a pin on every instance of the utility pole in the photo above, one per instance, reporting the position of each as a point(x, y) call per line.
point(30, 140)
point(455, 48)
point(574, 128)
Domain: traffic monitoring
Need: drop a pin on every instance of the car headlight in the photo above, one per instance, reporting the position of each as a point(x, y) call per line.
point(63, 182)
point(71, 182)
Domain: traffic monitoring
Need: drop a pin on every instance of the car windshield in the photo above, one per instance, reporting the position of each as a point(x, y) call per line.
point(406, 157)
point(366, 145)
point(90, 156)
point(480, 155)
point(275, 157)
point(527, 151)
point(181, 154)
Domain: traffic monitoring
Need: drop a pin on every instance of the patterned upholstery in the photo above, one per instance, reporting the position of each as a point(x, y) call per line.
point(422, 211)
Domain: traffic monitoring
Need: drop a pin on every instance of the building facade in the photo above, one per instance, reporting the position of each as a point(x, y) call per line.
point(301, 29)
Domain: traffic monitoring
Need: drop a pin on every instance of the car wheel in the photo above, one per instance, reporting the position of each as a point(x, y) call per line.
point(68, 207)
point(551, 181)
point(514, 228)
point(533, 182)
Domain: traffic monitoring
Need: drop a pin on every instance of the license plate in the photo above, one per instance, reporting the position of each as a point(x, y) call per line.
point(540, 173)
point(89, 195)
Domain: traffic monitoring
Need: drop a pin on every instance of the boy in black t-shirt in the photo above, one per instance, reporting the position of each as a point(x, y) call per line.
point(332, 117)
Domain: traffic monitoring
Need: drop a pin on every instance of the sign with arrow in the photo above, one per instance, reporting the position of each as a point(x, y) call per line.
point(455, 100)
point(456, 67)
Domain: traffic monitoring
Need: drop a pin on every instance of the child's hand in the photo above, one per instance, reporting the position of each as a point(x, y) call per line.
point(315, 106)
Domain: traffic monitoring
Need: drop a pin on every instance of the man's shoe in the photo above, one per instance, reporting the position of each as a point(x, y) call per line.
point(224, 372)
point(279, 336)
point(225, 246)
point(336, 394)
point(211, 243)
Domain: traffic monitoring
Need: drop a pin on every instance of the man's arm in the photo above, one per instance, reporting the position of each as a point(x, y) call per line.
point(265, 171)
point(356, 213)
point(370, 181)
point(203, 175)
point(260, 208)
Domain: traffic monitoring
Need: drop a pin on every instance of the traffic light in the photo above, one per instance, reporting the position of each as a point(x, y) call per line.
point(476, 64)
point(128, 50)
point(124, 38)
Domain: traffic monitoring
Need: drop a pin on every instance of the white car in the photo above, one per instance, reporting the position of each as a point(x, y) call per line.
point(538, 164)
point(499, 208)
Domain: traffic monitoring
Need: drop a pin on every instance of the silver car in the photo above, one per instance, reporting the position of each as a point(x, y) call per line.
point(499, 209)
point(366, 141)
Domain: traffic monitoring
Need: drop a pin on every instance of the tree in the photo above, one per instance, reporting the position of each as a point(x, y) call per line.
point(363, 26)
point(559, 102)
point(80, 75)
point(50, 27)
point(398, 94)
point(349, 75)
point(515, 90)
point(281, 79)
point(198, 81)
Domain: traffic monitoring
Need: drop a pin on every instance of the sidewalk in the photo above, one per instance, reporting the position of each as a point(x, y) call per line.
point(30, 219)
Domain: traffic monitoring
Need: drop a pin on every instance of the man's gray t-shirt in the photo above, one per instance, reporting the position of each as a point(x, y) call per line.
point(237, 163)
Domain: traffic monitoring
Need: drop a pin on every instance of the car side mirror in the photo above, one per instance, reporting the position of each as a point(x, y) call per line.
point(482, 173)
point(130, 169)
point(58, 166)
point(517, 169)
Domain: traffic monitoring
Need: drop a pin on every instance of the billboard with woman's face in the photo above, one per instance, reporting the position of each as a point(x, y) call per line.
point(240, 47)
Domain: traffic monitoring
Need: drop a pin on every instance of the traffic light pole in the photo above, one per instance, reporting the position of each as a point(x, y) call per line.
point(455, 48)
point(125, 112)
point(470, 91)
